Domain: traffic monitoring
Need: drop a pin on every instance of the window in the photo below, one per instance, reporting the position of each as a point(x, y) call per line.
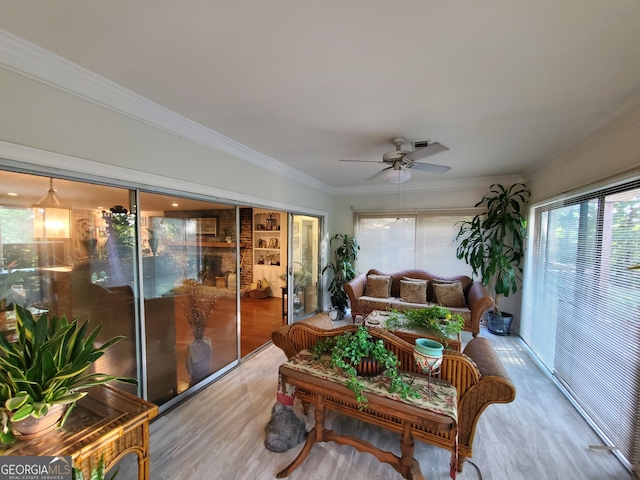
point(386, 242)
point(581, 312)
point(424, 240)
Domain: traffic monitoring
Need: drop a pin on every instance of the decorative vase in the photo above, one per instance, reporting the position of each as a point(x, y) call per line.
point(231, 282)
point(428, 355)
point(199, 359)
point(32, 427)
point(333, 314)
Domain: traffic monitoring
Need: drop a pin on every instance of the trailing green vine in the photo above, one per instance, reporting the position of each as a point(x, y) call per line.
point(348, 350)
point(437, 318)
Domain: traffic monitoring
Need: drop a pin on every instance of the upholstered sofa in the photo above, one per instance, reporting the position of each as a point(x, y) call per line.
point(477, 374)
point(412, 289)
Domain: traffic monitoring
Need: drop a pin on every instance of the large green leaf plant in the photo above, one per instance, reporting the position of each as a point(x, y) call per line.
point(492, 242)
point(342, 267)
point(47, 365)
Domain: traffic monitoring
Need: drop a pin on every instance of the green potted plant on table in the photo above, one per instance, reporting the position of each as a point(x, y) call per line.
point(343, 269)
point(492, 244)
point(438, 319)
point(358, 354)
point(43, 373)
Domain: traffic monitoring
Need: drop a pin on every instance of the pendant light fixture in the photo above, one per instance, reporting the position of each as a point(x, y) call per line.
point(51, 217)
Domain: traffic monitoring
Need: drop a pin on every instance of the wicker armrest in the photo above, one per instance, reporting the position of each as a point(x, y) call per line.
point(281, 339)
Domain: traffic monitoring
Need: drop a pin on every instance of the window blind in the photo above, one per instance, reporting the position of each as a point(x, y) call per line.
point(387, 242)
point(391, 241)
point(581, 305)
point(435, 245)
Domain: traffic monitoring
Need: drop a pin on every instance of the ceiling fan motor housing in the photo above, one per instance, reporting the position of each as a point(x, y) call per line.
point(391, 157)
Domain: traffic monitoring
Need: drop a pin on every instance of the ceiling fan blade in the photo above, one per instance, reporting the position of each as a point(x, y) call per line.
point(361, 161)
point(424, 152)
point(377, 174)
point(429, 167)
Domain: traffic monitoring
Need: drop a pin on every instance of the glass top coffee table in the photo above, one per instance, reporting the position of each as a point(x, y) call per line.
point(378, 318)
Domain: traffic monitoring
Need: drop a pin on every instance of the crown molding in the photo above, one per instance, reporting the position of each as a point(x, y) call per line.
point(27, 159)
point(30, 60)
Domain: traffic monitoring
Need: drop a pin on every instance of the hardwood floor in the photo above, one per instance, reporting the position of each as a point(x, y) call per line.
point(260, 317)
point(219, 434)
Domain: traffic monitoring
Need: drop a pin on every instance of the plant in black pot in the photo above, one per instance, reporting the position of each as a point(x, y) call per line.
point(343, 269)
point(492, 243)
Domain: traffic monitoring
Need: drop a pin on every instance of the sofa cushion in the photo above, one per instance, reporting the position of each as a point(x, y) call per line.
point(368, 304)
point(413, 291)
point(449, 294)
point(378, 286)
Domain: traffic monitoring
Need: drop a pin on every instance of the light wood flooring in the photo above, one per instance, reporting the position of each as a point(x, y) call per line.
point(219, 434)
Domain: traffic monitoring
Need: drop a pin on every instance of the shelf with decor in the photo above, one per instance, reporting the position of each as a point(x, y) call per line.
point(269, 247)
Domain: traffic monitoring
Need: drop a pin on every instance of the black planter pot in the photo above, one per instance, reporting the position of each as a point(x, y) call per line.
point(499, 324)
point(340, 304)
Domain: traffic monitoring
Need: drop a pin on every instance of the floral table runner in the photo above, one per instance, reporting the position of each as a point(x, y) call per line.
point(437, 396)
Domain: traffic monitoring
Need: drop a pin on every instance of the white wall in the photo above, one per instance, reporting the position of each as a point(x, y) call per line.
point(609, 152)
point(46, 118)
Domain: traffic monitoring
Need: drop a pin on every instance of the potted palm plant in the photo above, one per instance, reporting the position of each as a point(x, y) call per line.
point(492, 244)
point(343, 269)
point(44, 371)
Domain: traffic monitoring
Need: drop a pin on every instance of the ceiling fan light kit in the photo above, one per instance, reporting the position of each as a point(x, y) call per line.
point(400, 161)
point(397, 176)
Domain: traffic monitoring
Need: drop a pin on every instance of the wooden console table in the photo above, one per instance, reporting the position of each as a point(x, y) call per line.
point(316, 383)
point(107, 421)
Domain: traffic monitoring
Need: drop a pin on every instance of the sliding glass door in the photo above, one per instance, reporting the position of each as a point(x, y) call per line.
point(304, 266)
point(581, 310)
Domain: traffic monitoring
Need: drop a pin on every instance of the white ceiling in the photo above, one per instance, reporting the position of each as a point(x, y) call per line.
point(506, 85)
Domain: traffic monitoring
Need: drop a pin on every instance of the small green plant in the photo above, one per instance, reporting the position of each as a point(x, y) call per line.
point(97, 472)
point(437, 318)
point(348, 350)
point(47, 365)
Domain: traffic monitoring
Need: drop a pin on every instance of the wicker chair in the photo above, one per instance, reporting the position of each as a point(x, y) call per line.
point(478, 375)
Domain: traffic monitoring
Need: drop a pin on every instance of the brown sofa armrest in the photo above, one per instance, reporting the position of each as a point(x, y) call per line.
point(494, 386)
point(354, 290)
point(478, 300)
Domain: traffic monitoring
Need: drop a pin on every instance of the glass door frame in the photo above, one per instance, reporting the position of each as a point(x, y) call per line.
point(294, 302)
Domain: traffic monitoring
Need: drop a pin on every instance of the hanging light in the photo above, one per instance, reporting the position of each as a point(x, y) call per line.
point(400, 175)
point(51, 217)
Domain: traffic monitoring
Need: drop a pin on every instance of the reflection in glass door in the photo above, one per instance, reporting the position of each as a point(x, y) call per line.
point(189, 260)
point(305, 247)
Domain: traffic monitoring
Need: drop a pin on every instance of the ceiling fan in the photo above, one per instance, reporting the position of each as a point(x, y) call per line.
point(400, 161)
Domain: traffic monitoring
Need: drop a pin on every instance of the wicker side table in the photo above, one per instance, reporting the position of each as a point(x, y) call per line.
point(107, 421)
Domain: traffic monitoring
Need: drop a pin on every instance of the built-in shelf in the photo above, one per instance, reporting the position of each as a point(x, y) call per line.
point(205, 244)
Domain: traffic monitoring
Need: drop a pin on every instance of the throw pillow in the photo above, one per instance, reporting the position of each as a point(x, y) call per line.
point(449, 294)
point(413, 291)
point(378, 286)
